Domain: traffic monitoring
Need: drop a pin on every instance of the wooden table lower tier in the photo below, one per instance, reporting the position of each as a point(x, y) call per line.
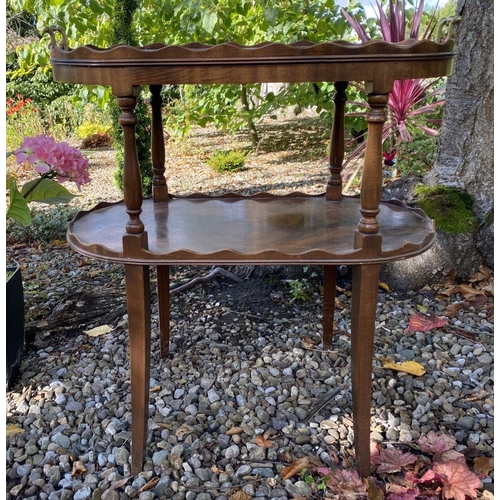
point(260, 230)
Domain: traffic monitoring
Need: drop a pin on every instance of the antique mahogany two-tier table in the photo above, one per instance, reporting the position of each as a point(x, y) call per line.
point(262, 229)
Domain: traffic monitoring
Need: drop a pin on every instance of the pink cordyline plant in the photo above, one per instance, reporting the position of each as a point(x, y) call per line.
point(53, 161)
point(409, 99)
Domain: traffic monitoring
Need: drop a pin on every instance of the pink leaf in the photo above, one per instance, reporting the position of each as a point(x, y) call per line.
point(436, 442)
point(391, 461)
point(429, 477)
point(345, 482)
point(458, 481)
point(397, 492)
point(422, 323)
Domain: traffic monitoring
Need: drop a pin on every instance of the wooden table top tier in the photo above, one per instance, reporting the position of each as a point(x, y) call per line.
point(266, 229)
point(377, 61)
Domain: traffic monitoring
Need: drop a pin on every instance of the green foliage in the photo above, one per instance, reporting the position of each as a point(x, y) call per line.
point(23, 119)
point(107, 22)
point(416, 157)
point(301, 289)
point(47, 225)
point(87, 129)
point(40, 190)
point(227, 161)
point(451, 208)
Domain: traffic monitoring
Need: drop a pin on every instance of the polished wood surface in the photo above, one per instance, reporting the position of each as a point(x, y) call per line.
point(262, 229)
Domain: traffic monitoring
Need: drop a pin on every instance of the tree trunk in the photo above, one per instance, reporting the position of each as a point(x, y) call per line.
point(465, 151)
point(464, 159)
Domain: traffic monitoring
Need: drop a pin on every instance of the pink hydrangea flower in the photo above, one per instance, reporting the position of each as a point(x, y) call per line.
point(53, 159)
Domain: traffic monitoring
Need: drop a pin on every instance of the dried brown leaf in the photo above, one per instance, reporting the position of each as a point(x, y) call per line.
point(374, 492)
point(240, 495)
point(13, 429)
point(450, 278)
point(234, 430)
point(485, 271)
point(477, 277)
point(149, 485)
point(119, 483)
point(469, 292)
point(184, 430)
point(478, 301)
point(261, 441)
point(452, 309)
point(484, 465)
point(78, 469)
point(296, 467)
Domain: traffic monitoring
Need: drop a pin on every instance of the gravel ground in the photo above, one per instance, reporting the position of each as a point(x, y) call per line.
point(246, 363)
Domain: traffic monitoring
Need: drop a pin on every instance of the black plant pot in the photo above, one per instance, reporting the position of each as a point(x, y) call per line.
point(14, 323)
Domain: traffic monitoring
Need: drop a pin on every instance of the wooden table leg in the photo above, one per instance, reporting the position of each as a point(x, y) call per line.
point(139, 321)
point(364, 307)
point(329, 288)
point(163, 278)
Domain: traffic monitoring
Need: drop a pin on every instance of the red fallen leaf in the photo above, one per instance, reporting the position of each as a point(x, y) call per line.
point(390, 460)
point(436, 442)
point(421, 323)
point(458, 481)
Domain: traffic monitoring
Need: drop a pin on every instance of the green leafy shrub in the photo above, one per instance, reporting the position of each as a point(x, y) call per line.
point(451, 208)
point(87, 129)
point(228, 161)
point(416, 157)
point(47, 225)
point(301, 289)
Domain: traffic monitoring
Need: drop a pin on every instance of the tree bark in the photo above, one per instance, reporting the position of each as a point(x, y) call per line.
point(465, 150)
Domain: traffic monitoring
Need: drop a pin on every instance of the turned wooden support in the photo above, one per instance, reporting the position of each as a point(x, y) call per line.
point(163, 279)
point(329, 289)
point(334, 186)
point(139, 321)
point(363, 312)
point(160, 189)
point(371, 182)
point(132, 186)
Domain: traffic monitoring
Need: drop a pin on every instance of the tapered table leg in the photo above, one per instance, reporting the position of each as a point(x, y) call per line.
point(364, 307)
point(329, 287)
point(139, 321)
point(163, 278)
